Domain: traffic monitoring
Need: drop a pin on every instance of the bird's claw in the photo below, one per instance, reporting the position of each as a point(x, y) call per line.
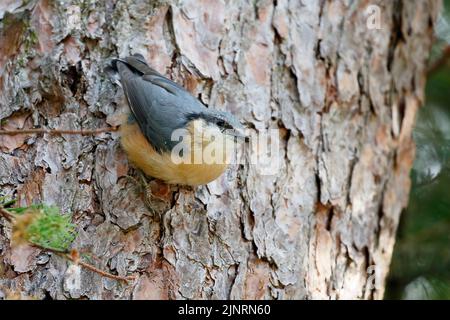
point(155, 193)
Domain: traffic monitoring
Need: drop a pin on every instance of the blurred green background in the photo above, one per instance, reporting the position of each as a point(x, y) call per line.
point(421, 262)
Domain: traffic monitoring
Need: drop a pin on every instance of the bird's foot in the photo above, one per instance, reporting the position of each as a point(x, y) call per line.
point(156, 196)
point(155, 193)
point(136, 184)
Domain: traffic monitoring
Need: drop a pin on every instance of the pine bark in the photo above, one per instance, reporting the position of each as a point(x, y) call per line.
point(344, 97)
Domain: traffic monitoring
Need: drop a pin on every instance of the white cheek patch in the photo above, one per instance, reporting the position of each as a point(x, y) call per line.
point(202, 143)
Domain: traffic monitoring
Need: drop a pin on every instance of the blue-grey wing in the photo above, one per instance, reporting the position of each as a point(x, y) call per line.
point(158, 104)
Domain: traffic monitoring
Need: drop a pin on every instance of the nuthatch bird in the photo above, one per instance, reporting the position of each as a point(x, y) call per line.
point(160, 107)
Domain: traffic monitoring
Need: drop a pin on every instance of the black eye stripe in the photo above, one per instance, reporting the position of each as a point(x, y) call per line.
point(224, 124)
point(219, 121)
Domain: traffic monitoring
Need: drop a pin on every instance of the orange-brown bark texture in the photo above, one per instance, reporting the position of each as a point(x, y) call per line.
point(343, 96)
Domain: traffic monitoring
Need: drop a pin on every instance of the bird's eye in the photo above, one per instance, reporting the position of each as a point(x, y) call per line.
point(220, 123)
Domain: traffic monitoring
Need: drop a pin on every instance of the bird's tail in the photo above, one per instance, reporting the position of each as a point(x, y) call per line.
point(113, 74)
point(135, 64)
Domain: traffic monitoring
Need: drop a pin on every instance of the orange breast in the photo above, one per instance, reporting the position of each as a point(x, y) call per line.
point(160, 165)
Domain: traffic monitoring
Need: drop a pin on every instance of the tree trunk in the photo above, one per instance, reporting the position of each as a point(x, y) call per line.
point(341, 80)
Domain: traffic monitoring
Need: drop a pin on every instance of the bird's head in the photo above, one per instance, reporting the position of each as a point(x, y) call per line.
point(222, 121)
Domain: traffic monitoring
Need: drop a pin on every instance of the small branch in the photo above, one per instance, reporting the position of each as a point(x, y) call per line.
point(101, 272)
point(75, 259)
point(441, 61)
point(56, 131)
point(6, 214)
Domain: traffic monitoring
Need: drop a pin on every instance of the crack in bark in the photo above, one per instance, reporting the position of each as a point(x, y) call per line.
point(396, 32)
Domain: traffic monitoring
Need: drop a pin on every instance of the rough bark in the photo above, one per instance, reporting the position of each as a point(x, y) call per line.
point(343, 96)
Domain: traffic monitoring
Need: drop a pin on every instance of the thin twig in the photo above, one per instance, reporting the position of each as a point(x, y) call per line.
point(86, 265)
point(6, 214)
point(101, 272)
point(56, 131)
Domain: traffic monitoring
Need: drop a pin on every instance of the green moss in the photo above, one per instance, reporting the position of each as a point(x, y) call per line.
point(46, 227)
